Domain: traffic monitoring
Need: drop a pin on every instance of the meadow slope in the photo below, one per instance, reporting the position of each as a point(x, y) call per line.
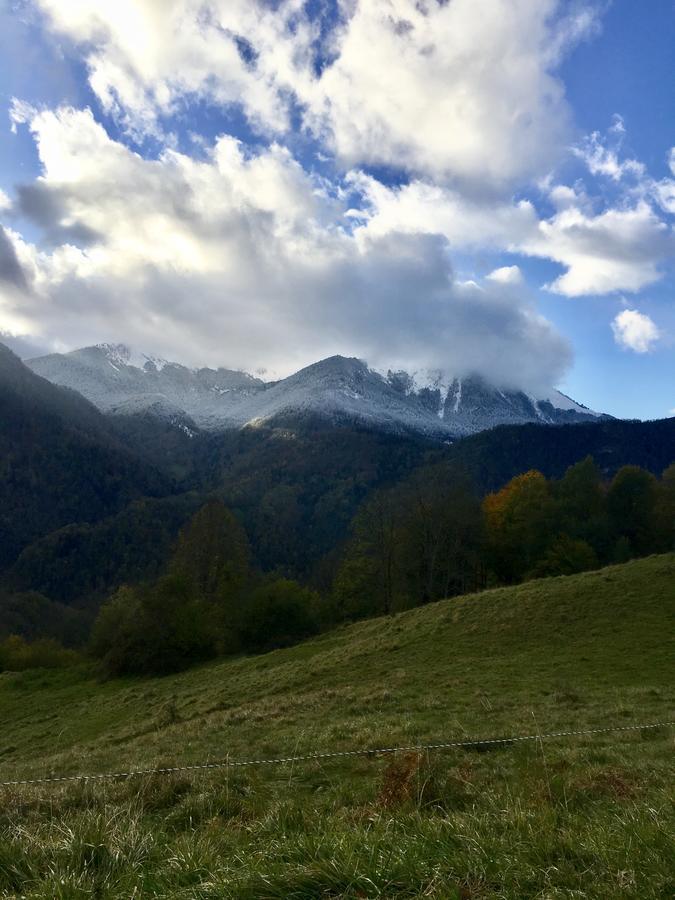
point(583, 816)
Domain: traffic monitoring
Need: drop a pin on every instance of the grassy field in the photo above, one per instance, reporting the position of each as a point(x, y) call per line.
point(587, 816)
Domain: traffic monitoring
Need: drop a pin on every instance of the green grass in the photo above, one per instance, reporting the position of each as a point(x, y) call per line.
point(587, 816)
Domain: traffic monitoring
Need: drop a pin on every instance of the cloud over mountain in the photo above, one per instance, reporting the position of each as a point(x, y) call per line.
point(246, 259)
point(406, 166)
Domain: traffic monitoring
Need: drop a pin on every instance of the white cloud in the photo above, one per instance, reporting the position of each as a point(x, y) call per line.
point(246, 260)
point(604, 160)
point(635, 331)
point(5, 202)
point(20, 112)
point(506, 275)
point(145, 56)
point(421, 207)
point(619, 249)
point(416, 84)
point(664, 194)
point(178, 250)
point(411, 83)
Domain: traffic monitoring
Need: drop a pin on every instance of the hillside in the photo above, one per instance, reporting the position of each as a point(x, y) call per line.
point(585, 814)
point(495, 456)
point(60, 461)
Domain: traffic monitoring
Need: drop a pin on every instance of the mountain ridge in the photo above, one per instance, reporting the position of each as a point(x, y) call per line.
point(337, 389)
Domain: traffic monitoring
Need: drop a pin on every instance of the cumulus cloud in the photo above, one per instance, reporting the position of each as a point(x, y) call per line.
point(506, 275)
point(620, 249)
point(145, 57)
point(635, 331)
point(410, 83)
point(664, 190)
point(244, 259)
point(428, 208)
point(410, 86)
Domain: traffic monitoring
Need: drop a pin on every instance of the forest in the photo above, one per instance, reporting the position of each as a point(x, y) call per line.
point(429, 537)
point(289, 530)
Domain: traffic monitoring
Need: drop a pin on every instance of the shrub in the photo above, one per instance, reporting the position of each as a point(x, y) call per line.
point(152, 630)
point(279, 613)
point(566, 556)
point(17, 654)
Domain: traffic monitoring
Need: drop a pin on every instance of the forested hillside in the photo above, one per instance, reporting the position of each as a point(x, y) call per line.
point(60, 461)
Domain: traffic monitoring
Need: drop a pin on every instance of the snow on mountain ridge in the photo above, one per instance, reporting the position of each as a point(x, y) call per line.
point(336, 389)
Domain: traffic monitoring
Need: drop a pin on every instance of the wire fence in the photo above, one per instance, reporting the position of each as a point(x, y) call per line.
point(336, 754)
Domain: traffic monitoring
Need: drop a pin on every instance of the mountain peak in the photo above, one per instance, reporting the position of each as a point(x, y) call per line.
point(339, 388)
point(123, 355)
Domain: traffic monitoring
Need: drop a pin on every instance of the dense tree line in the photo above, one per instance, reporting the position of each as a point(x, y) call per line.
point(373, 522)
point(34, 616)
point(17, 654)
point(432, 537)
point(411, 544)
point(494, 457)
point(81, 564)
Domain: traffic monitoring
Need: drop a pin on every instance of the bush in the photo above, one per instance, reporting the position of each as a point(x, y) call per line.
point(17, 654)
point(153, 630)
point(279, 613)
point(566, 556)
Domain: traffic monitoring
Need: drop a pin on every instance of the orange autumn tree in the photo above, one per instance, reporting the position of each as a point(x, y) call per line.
point(520, 526)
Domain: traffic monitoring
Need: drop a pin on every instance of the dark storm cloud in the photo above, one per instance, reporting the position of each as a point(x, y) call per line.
point(10, 267)
point(48, 208)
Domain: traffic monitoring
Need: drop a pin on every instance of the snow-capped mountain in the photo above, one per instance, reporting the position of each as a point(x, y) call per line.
point(119, 381)
point(337, 389)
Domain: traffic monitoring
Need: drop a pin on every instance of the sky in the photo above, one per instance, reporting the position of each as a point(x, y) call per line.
point(431, 185)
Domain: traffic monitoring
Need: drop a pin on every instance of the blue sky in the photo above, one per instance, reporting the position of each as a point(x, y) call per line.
point(484, 184)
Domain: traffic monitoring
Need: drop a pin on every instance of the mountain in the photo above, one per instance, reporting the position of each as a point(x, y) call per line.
point(60, 460)
point(118, 381)
point(337, 390)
